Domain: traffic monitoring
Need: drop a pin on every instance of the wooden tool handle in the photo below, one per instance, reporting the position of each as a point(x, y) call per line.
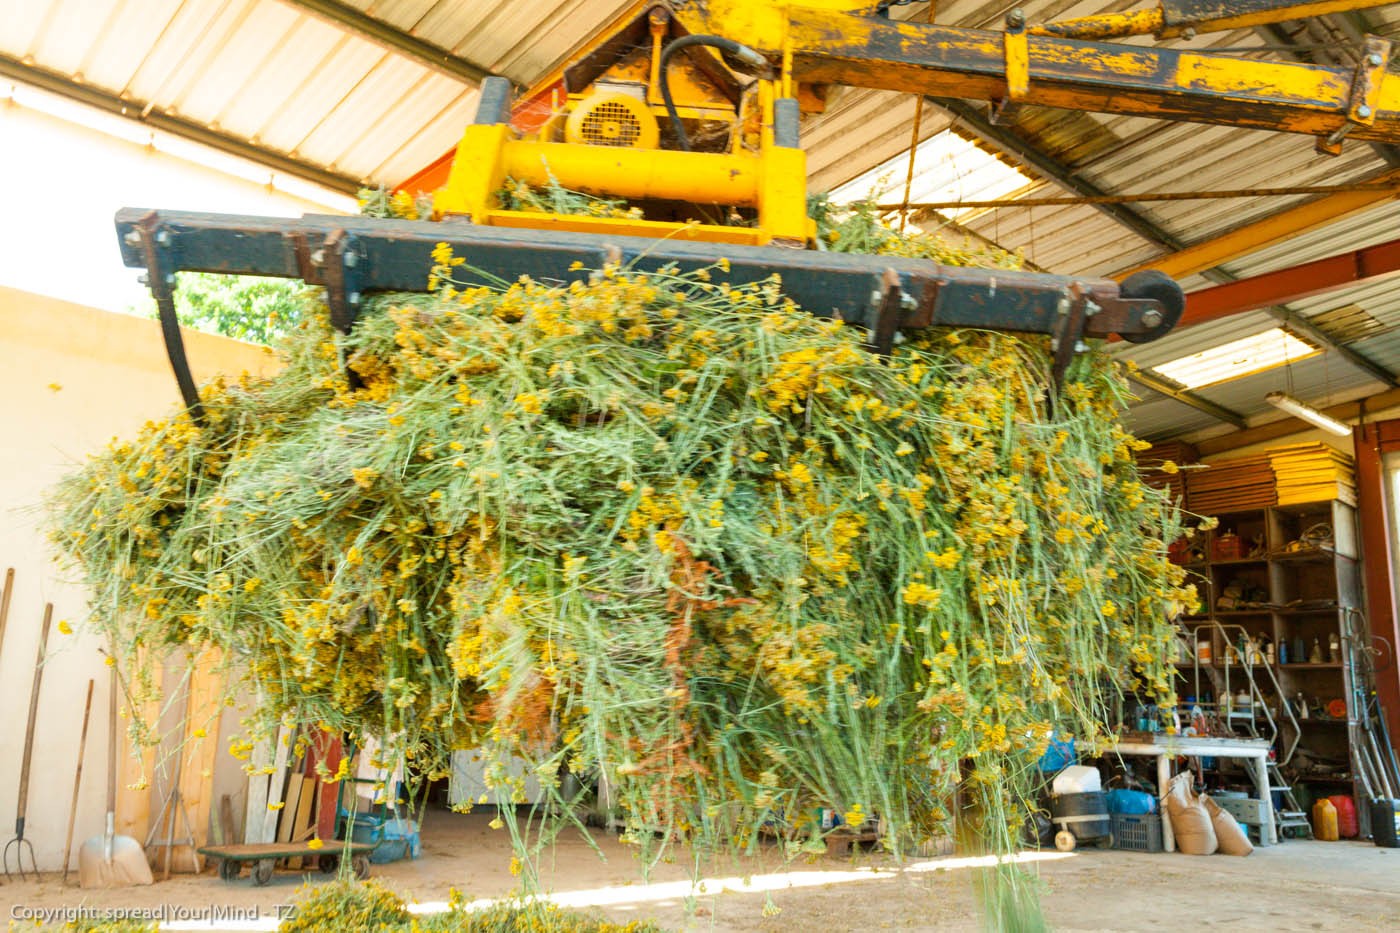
point(112, 739)
point(5, 602)
point(33, 715)
point(77, 781)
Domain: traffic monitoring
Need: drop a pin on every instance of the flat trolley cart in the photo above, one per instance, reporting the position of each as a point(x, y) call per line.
point(264, 856)
point(1081, 818)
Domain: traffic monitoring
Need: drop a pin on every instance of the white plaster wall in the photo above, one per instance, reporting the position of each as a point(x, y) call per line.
point(112, 376)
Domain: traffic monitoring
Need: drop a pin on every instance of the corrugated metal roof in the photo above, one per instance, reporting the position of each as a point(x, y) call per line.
point(268, 72)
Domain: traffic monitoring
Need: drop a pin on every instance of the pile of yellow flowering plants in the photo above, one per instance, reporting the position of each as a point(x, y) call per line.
point(661, 531)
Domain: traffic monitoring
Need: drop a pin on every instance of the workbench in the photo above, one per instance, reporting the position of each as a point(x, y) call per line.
point(1164, 748)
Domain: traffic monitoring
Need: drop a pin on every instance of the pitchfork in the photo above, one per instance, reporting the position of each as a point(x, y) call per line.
point(19, 844)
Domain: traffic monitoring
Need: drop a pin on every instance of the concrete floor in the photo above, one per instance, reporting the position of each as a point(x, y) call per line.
point(1299, 885)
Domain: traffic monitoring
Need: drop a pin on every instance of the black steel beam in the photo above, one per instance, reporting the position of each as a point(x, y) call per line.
point(358, 255)
point(1055, 170)
point(1306, 329)
point(1163, 387)
point(394, 39)
point(137, 111)
point(1138, 222)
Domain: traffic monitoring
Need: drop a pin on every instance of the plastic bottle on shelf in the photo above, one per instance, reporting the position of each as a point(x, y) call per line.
point(1300, 651)
point(1334, 648)
point(1315, 656)
point(1283, 651)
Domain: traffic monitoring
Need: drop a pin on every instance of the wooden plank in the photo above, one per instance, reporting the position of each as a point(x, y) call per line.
point(277, 785)
point(226, 825)
point(302, 827)
point(325, 809)
point(256, 808)
point(202, 743)
point(137, 765)
point(286, 825)
point(280, 850)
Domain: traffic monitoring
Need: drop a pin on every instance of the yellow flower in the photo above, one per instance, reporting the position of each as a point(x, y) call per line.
point(64, 627)
point(314, 844)
point(921, 594)
point(276, 806)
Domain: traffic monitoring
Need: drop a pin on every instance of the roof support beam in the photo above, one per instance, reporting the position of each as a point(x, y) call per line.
point(1063, 175)
point(394, 39)
point(137, 111)
point(1305, 328)
point(1056, 171)
point(1290, 425)
point(1273, 229)
point(1163, 387)
point(1292, 284)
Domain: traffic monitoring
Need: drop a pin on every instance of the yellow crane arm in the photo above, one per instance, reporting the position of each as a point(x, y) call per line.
point(1058, 65)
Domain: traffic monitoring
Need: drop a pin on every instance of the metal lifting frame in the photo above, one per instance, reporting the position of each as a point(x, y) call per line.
point(354, 256)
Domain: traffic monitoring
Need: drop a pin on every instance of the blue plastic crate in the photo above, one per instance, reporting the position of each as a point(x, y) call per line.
point(1137, 832)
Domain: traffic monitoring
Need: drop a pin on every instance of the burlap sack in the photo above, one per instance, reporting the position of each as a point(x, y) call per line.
point(1191, 822)
point(1229, 833)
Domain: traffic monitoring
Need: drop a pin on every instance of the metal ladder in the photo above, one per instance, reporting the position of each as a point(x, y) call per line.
point(1291, 815)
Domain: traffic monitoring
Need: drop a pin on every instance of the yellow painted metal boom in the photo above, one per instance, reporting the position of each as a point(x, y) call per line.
point(793, 47)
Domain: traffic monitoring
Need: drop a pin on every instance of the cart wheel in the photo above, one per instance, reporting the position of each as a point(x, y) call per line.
point(1106, 842)
point(262, 871)
point(229, 869)
point(1064, 840)
point(360, 866)
point(328, 863)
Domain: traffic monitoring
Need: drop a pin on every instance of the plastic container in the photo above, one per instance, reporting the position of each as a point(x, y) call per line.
point(1080, 818)
point(1137, 832)
point(1077, 779)
point(1385, 822)
point(1324, 817)
point(1347, 826)
point(393, 839)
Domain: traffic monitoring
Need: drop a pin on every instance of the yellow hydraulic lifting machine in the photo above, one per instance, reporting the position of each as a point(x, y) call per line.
point(692, 111)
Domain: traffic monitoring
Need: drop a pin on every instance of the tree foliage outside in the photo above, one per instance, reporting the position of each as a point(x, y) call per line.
point(245, 307)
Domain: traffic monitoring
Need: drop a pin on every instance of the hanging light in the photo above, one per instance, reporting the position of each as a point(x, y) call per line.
point(1307, 413)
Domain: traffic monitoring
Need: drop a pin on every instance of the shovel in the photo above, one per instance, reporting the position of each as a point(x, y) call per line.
point(109, 860)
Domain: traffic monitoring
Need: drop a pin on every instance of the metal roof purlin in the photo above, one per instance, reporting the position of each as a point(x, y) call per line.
point(1163, 387)
point(138, 112)
point(1056, 171)
point(1273, 229)
point(394, 39)
point(1134, 220)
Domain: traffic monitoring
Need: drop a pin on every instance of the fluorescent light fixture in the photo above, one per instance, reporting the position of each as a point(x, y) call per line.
point(1307, 413)
point(946, 168)
point(1237, 359)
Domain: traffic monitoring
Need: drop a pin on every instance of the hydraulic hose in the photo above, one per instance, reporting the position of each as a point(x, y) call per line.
point(742, 52)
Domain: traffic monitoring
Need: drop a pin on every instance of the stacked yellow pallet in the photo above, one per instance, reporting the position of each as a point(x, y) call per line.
point(1313, 473)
